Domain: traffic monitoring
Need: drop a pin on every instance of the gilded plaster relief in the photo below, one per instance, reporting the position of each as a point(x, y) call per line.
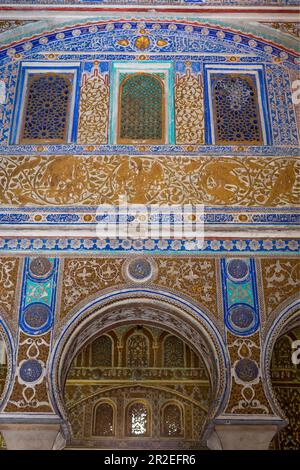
point(189, 108)
point(9, 269)
point(194, 277)
point(93, 180)
point(247, 394)
point(281, 281)
point(30, 390)
point(93, 108)
point(84, 277)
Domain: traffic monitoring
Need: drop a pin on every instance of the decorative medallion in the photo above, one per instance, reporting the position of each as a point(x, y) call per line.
point(142, 43)
point(40, 267)
point(241, 316)
point(31, 370)
point(246, 370)
point(139, 269)
point(37, 315)
point(238, 269)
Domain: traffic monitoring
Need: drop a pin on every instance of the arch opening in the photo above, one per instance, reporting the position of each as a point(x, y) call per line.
point(141, 401)
point(204, 356)
point(285, 379)
point(282, 374)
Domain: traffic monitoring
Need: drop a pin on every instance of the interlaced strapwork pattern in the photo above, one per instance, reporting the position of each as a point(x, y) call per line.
point(102, 352)
point(47, 105)
point(141, 117)
point(138, 351)
point(173, 352)
point(236, 110)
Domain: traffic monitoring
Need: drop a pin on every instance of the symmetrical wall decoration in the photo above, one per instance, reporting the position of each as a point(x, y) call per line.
point(94, 108)
point(141, 109)
point(30, 390)
point(189, 108)
point(241, 316)
point(147, 45)
point(284, 125)
point(154, 110)
point(196, 278)
point(236, 111)
point(47, 106)
point(239, 296)
point(281, 282)
point(9, 271)
point(247, 395)
point(91, 180)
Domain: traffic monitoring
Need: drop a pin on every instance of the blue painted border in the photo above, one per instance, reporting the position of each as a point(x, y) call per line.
point(11, 354)
point(21, 91)
point(270, 247)
point(252, 276)
point(26, 276)
point(168, 68)
point(264, 108)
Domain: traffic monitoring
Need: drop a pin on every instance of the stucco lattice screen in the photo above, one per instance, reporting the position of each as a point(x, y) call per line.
point(236, 110)
point(46, 109)
point(102, 352)
point(141, 113)
point(173, 352)
point(138, 351)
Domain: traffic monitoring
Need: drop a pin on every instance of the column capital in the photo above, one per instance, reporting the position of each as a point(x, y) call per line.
point(30, 433)
point(244, 432)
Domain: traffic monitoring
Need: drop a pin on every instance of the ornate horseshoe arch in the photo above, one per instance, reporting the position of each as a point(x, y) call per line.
point(133, 306)
point(288, 317)
point(9, 344)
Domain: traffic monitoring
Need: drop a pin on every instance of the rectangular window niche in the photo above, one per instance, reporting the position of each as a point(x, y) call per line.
point(237, 111)
point(141, 103)
point(46, 105)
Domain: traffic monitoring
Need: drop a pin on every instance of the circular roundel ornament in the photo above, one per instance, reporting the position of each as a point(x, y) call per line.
point(241, 317)
point(40, 267)
point(139, 269)
point(238, 269)
point(246, 370)
point(31, 370)
point(36, 316)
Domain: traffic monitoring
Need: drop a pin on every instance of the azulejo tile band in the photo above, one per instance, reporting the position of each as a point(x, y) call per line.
point(89, 245)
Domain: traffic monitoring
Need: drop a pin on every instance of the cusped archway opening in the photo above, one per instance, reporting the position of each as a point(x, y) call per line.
point(285, 379)
point(3, 365)
point(142, 337)
point(137, 386)
point(3, 375)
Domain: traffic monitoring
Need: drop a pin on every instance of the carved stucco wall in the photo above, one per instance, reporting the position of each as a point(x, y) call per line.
point(76, 177)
